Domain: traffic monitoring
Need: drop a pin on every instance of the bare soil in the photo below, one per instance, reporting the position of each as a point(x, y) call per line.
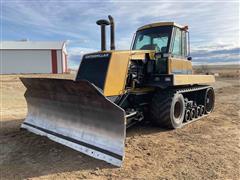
point(206, 149)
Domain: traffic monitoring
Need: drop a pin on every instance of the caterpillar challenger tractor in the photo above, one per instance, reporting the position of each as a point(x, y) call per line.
point(115, 89)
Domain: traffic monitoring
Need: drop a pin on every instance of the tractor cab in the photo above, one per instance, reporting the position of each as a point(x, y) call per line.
point(164, 37)
point(170, 41)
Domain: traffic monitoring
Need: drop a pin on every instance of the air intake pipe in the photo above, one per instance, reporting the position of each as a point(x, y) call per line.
point(112, 30)
point(103, 23)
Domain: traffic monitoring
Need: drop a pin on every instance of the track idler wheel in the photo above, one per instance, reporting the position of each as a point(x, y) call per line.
point(209, 100)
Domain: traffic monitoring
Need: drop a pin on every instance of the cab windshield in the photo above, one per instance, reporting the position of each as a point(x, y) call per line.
point(156, 38)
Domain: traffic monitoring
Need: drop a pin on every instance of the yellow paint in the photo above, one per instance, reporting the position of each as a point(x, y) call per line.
point(115, 81)
point(180, 79)
point(136, 56)
point(124, 51)
point(140, 54)
point(176, 64)
point(118, 68)
point(117, 73)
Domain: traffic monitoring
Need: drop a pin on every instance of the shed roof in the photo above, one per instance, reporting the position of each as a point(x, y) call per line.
point(32, 45)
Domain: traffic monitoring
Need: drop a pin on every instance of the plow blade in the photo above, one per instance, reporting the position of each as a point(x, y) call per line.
point(76, 114)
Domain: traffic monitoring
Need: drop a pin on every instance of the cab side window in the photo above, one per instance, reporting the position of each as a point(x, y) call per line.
point(184, 44)
point(177, 44)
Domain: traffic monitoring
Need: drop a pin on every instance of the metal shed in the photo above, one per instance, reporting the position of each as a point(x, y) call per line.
point(33, 57)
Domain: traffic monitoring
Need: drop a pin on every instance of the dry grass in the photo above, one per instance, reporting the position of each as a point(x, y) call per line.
point(228, 71)
point(206, 149)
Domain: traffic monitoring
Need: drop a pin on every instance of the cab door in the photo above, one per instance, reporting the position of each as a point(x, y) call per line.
point(178, 62)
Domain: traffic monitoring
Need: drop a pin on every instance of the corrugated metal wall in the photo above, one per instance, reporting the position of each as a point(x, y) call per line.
point(29, 61)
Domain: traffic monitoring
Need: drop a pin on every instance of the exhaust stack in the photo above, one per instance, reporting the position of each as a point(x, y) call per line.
point(112, 30)
point(103, 23)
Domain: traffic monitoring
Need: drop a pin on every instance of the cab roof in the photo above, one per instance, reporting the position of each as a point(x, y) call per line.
point(160, 24)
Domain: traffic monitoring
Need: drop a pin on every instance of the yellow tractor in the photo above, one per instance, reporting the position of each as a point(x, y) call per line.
point(114, 89)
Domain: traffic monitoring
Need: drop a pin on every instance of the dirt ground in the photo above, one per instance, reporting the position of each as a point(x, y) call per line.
point(206, 149)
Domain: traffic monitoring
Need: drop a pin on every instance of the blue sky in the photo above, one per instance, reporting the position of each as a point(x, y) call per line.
point(214, 25)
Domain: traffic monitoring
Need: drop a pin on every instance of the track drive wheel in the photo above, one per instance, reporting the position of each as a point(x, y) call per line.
point(167, 109)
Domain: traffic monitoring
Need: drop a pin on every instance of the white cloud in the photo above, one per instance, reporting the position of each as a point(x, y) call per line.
point(79, 50)
point(214, 47)
point(214, 26)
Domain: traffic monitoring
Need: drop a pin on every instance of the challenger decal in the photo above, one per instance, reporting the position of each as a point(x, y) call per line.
point(102, 55)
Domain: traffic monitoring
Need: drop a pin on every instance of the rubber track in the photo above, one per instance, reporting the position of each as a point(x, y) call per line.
point(191, 89)
point(160, 108)
point(196, 88)
point(161, 105)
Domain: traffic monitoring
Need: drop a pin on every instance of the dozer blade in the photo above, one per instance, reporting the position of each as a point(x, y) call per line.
point(76, 114)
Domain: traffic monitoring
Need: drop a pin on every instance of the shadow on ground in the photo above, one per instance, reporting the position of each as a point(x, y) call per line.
point(144, 128)
point(25, 155)
point(29, 155)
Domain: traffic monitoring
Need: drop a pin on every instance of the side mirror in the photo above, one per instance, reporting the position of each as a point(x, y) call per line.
point(189, 58)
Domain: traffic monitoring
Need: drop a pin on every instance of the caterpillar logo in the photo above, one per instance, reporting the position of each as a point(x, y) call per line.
point(102, 55)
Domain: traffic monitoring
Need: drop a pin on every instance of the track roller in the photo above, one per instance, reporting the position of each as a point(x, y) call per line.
point(198, 112)
point(192, 113)
point(202, 110)
point(187, 115)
